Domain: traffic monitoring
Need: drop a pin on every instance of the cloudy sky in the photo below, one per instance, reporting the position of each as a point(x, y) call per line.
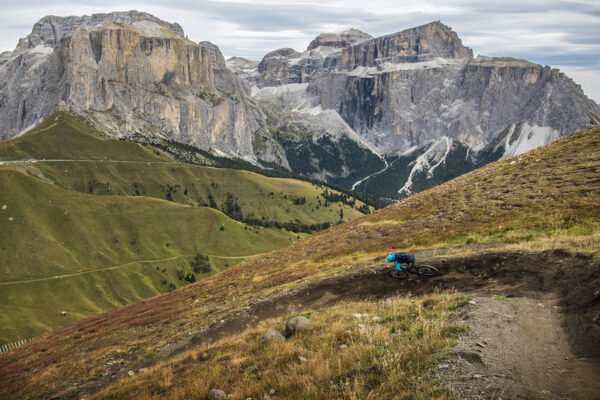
point(562, 34)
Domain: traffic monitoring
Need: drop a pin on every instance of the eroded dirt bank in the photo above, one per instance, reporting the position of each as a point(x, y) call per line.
point(567, 286)
point(572, 281)
point(517, 349)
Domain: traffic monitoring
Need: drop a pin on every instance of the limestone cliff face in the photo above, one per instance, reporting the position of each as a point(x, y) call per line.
point(50, 29)
point(415, 86)
point(285, 66)
point(133, 75)
point(416, 98)
point(423, 43)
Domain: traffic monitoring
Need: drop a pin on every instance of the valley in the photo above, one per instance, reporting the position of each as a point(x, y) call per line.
point(118, 223)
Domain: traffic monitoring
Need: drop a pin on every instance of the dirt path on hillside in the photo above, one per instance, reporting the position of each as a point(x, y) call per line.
point(91, 271)
point(517, 349)
point(536, 355)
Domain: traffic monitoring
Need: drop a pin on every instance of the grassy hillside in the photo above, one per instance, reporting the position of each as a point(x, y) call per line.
point(544, 199)
point(118, 222)
point(133, 247)
point(67, 136)
point(106, 166)
point(275, 199)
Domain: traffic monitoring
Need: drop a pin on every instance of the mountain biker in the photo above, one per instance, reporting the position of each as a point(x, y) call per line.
point(401, 257)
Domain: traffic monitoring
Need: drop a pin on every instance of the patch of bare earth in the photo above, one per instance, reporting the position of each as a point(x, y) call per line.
point(518, 348)
point(533, 328)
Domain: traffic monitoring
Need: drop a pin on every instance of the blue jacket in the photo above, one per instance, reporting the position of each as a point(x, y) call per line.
point(392, 257)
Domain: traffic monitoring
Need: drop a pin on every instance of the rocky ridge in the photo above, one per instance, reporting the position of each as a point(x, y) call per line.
point(133, 75)
point(390, 115)
point(403, 94)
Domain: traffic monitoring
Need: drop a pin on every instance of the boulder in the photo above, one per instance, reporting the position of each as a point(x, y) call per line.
point(297, 324)
point(273, 335)
point(216, 394)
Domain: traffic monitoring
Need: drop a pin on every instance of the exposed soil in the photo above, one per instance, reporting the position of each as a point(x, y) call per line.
point(511, 274)
point(535, 355)
point(516, 349)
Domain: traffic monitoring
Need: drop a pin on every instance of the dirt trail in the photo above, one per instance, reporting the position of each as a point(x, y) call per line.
point(511, 274)
point(517, 349)
point(91, 271)
point(531, 357)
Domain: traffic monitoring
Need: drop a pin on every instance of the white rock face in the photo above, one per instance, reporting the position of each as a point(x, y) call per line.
point(524, 137)
point(134, 75)
point(420, 85)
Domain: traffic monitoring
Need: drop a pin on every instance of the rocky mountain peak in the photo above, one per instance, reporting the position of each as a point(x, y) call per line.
point(275, 55)
point(423, 43)
point(241, 65)
point(339, 40)
point(49, 30)
point(285, 52)
point(132, 75)
point(215, 56)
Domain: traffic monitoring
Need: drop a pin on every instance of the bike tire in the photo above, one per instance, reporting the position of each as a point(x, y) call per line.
point(397, 274)
point(427, 270)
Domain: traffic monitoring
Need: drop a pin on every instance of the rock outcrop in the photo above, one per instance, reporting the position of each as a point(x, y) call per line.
point(216, 394)
point(297, 324)
point(49, 30)
point(423, 43)
point(273, 335)
point(421, 89)
point(134, 75)
point(351, 109)
point(339, 40)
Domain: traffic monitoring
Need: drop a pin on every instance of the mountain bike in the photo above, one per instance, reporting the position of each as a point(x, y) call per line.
point(422, 270)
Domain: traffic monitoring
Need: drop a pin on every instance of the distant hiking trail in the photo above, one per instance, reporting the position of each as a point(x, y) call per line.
point(91, 271)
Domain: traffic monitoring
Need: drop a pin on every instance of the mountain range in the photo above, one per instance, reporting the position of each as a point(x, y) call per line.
point(390, 116)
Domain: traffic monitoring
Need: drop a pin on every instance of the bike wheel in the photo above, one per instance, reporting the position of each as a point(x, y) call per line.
point(397, 274)
point(427, 270)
